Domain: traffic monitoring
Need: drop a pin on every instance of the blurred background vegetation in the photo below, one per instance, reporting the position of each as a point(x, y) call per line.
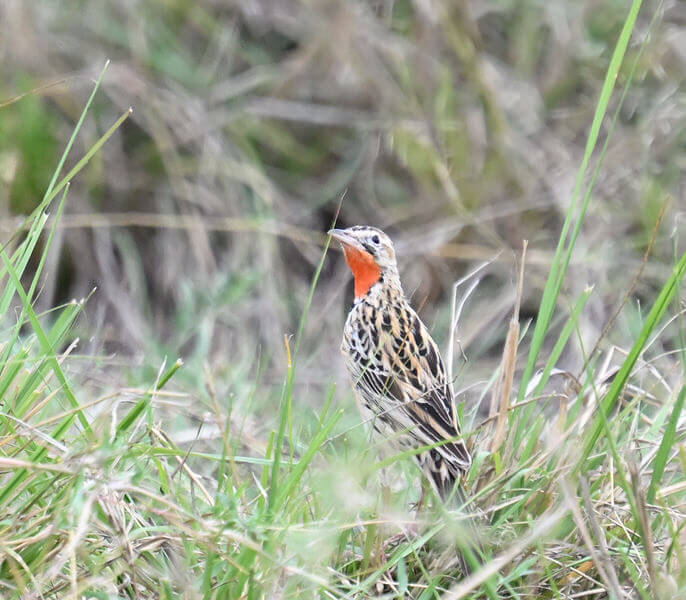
point(456, 126)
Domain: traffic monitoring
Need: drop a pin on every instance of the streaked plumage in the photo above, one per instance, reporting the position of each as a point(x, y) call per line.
point(395, 366)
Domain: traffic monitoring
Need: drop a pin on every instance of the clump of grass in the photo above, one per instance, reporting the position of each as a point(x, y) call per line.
point(583, 495)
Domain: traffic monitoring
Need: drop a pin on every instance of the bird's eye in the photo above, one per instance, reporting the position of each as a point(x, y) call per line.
point(375, 239)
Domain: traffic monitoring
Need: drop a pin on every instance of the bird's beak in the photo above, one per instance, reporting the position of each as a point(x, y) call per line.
point(342, 236)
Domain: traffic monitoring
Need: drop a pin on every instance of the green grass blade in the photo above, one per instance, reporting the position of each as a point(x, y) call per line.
point(43, 340)
point(30, 243)
point(299, 469)
point(50, 192)
point(86, 157)
point(48, 243)
point(656, 312)
point(140, 406)
point(20, 259)
point(567, 330)
point(666, 445)
point(287, 394)
point(557, 268)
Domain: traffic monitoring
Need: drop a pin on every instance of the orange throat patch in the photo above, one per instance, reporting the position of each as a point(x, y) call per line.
point(365, 270)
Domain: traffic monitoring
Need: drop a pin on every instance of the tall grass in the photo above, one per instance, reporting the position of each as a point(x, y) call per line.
point(102, 498)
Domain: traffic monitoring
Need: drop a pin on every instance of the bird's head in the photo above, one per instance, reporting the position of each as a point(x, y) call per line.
point(370, 255)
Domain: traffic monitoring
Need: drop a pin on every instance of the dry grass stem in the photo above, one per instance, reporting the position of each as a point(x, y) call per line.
point(503, 390)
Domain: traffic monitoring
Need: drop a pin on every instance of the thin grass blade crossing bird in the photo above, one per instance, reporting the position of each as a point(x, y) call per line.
point(395, 366)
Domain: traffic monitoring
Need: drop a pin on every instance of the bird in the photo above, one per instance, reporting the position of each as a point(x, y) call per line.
point(395, 367)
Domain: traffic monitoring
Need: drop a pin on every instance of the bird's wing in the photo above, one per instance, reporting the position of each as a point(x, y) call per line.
point(403, 374)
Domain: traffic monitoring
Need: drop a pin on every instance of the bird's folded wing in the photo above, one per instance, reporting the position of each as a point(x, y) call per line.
point(406, 378)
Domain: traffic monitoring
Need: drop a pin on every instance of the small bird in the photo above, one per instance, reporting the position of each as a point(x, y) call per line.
point(396, 369)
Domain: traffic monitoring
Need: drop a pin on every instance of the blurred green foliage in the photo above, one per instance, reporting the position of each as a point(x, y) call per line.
point(27, 139)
